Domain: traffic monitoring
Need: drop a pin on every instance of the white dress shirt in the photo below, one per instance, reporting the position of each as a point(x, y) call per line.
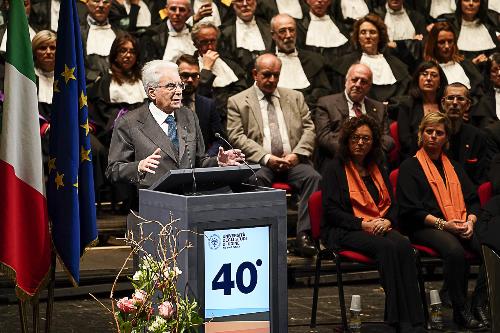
point(224, 75)
point(248, 35)
point(455, 73)
point(290, 7)
point(382, 72)
point(439, 7)
point(178, 43)
point(100, 38)
point(214, 18)
point(127, 92)
point(144, 15)
point(55, 7)
point(474, 37)
point(497, 100)
point(494, 5)
point(3, 45)
point(266, 143)
point(323, 32)
point(292, 73)
point(45, 85)
point(354, 9)
point(350, 104)
point(399, 26)
point(160, 117)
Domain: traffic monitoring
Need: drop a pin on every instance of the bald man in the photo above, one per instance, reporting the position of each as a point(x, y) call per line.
point(273, 127)
point(333, 110)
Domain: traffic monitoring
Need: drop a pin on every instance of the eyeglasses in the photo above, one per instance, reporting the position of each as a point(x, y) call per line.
point(123, 51)
point(364, 138)
point(460, 98)
point(206, 42)
point(186, 75)
point(171, 86)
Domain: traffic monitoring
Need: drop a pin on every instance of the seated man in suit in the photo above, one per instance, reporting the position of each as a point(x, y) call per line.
point(301, 70)
point(208, 117)
point(469, 146)
point(273, 127)
point(160, 136)
point(333, 110)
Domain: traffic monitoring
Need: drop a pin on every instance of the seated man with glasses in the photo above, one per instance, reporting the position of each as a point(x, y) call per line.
point(204, 107)
point(468, 145)
point(160, 136)
point(333, 111)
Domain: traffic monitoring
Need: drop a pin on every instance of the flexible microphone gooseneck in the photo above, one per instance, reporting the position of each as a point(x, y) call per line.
point(218, 136)
point(190, 161)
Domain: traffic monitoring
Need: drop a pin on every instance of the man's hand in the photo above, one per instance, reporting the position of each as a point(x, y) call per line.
point(292, 159)
point(278, 164)
point(209, 59)
point(204, 11)
point(150, 163)
point(230, 157)
point(480, 58)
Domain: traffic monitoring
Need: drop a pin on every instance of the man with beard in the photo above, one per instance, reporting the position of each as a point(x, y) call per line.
point(208, 117)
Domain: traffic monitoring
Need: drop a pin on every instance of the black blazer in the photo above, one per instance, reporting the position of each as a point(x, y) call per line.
point(338, 214)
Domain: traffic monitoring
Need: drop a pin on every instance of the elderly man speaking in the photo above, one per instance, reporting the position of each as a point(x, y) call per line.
point(149, 141)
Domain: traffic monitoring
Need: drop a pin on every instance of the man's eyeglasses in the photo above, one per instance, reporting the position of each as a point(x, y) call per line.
point(186, 75)
point(364, 138)
point(460, 98)
point(171, 86)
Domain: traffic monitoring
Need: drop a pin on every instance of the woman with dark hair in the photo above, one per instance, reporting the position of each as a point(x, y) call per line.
point(118, 91)
point(441, 47)
point(426, 90)
point(360, 213)
point(438, 208)
point(390, 75)
point(477, 38)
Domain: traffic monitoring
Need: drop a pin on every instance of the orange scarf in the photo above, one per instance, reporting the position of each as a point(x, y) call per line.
point(362, 202)
point(450, 197)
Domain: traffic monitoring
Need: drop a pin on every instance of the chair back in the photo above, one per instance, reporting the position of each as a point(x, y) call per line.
point(394, 153)
point(492, 264)
point(315, 208)
point(393, 178)
point(485, 191)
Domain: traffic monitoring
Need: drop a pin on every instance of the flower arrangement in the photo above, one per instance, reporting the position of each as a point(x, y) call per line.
point(156, 306)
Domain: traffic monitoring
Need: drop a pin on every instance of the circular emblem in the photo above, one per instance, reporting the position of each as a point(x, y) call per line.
point(214, 242)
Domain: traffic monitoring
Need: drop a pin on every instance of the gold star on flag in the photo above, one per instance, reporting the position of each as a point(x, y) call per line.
point(76, 184)
point(84, 154)
point(86, 127)
point(59, 180)
point(83, 100)
point(52, 164)
point(56, 87)
point(68, 73)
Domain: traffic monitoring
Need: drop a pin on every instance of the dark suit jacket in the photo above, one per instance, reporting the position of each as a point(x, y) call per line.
point(210, 123)
point(485, 113)
point(137, 135)
point(39, 17)
point(331, 113)
point(242, 56)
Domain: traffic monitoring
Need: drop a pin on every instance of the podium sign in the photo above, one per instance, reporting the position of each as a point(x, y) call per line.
point(236, 272)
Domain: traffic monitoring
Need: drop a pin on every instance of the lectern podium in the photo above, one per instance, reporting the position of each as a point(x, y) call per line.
point(237, 267)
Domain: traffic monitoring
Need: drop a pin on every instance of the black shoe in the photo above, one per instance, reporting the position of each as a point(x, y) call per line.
point(304, 246)
point(481, 314)
point(464, 318)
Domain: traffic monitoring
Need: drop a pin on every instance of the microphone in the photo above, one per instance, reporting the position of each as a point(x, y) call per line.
point(218, 136)
point(190, 161)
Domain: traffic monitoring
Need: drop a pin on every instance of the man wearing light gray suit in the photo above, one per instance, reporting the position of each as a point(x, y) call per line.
point(333, 110)
point(273, 127)
point(149, 141)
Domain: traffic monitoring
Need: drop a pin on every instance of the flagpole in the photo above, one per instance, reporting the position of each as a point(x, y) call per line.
point(35, 304)
point(50, 292)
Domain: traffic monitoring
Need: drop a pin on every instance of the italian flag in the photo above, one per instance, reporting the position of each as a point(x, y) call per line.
point(25, 247)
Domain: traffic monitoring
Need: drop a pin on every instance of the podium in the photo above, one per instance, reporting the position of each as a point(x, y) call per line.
point(237, 268)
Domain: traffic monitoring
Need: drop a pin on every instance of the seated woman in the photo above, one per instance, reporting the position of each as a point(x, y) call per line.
point(441, 47)
point(360, 212)
point(118, 91)
point(438, 206)
point(426, 90)
point(390, 75)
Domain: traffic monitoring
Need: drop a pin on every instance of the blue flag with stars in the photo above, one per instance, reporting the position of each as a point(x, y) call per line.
point(70, 189)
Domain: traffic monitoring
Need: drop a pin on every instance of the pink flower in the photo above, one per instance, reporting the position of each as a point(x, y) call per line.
point(139, 297)
point(126, 305)
point(166, 309)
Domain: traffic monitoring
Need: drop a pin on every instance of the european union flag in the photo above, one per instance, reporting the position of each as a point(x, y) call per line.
point(70, 187)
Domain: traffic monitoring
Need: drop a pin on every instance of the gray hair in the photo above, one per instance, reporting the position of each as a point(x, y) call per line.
point(154, 70)
point(202, 25)
point(275, 17)
point(188, 3)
